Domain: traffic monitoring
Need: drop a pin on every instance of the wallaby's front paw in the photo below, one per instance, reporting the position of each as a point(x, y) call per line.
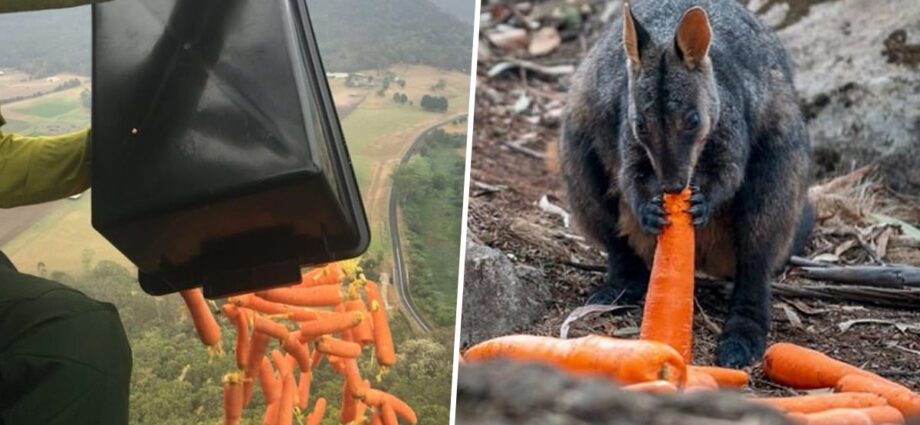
point(699, 207)
point(652, 216)
point(742, 343)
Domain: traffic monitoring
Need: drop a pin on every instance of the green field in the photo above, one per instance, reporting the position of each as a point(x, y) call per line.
point(55, 113)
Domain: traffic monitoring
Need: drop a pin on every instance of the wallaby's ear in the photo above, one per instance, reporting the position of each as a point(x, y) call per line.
point(634, 36)
point(694, 34)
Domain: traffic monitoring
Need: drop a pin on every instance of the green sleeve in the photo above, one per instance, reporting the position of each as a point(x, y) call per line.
point(42, 169)
point(26, 5)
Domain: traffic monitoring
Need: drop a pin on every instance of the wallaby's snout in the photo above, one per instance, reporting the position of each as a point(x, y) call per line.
point(674, 187)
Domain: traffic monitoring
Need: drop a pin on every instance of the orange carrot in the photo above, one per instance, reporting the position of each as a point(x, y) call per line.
point(364, 332)
point(353, 378)
point(296, 314)
point(361, 413)
point(257, 348)
point(383, 339)
point(337, 347)
point(821, 402)
point(884, 415)
point(327, 325)
point(653, 387)
point(700, 381)
point(726, 378)
point(389, 415)
point(286, 403)
point(349, 406)
point(401, 408)
point(317, 357)
point(318, 411)
point(233, 398)
point(668, 315)
point(375, 419)
point(803, 368)
point(898, 396)
point(317, 296)
point(372, 397)
point(271, 414)
point(837, 417)
point(205, 324)
point(337, 364)
point(269, 327)
point(625, 361)
point(298, 350)
point(346, 334)
point(281, 363)
point(303, 389)
point(267, 379)
point(240, 319)
point(332, 274)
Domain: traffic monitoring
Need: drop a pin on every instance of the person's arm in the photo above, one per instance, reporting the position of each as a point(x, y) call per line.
point(41, 169)
point(7, 6)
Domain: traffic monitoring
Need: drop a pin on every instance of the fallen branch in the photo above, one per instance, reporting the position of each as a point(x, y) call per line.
point(880, 276)
point(546, 71)
point(804, 262)
point(518, 146)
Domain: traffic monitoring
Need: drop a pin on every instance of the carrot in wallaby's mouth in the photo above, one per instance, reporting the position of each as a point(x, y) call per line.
point(668, 315)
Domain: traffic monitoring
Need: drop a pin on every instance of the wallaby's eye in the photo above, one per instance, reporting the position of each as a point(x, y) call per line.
point(692, 121)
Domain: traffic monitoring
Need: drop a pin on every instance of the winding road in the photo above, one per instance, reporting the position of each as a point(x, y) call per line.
point(400, 274)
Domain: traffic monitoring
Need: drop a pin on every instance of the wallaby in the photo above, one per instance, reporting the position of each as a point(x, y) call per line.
point(698, 94)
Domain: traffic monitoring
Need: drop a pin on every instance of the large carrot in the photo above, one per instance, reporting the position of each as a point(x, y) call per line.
point(349, 406)
point(271, 414)
point(383, 338)
point(338, 347)
point(205, 323)
point(240, 319)
point(267, 379)
point(360, 414)
point(364, 332)
point(327, 325)
point(700, 381)
point(353, 379)
point(286, 403)
point(233, 398)
point(653, 387)
point(668, 314)
point(803, 368)
point(884, 415)
point(303, 389)
point(257, 348)
point(625, 361)
point(331, 274)
point(297, 314)
point(269, 327)
point(388, 414)
point(316, 296)
point(897, 395)
point(298, 350)
point(318, 411)
point(346, 333)
point(726, 378)
point(821, 402)
point(281, 363)
point(833, 417)
point(375, 419)
point(401, 408)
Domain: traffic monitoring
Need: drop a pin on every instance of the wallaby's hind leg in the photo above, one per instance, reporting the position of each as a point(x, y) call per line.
point(627, 276)
point(767, 217)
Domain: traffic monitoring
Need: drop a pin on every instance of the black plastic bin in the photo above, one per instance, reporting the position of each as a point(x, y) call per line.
point(218, 159)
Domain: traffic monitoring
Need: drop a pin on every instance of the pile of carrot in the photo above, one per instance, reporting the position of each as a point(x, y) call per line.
point(282, 334)
point(659, 361)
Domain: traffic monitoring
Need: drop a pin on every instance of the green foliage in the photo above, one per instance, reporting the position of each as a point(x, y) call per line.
point(400, 98)
point(371, 34)
point(431, 191)
point(434, 103)
point(47, 43)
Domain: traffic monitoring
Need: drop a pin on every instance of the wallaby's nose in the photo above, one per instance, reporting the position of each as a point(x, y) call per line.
point(673, 187)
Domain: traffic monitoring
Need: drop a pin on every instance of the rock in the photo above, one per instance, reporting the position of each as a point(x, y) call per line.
point(505, 37)
point(502, 392)
point(858, 77)
point(498, 297)
point(544, 41)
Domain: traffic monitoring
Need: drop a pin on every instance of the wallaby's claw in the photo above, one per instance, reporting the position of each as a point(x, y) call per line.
point(653, 217)
point(699, 207)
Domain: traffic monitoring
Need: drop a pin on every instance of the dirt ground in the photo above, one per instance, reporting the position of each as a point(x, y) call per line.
point(521, 109)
